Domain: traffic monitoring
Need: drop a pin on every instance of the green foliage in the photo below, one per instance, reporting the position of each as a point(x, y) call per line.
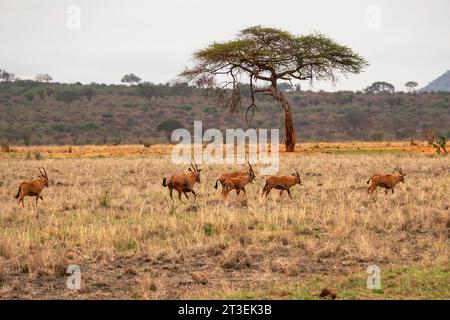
point(128, 104)
point(131, 78)
point(37, 155)
point(186, 107)
point(411, 85)
point(104, 200)
point(169, 125)
point(68, 95)
point(380, 87)
point(87, 92)
point(440, 146)
point(317, 57)
point(58, 127)
point(146, 90)
point(43, 77)
point(151, 91)
point(123, 245)
point(208, 229)
point(285, 86)
point(29, 95)
point(6, 76)
point(318, 115)
point(210, 110)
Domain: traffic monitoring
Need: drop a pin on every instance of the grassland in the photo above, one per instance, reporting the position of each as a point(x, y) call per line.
point(107, 212)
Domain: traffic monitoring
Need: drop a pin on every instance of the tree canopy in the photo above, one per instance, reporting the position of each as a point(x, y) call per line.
point(270, 55)
point(43, 77)
point(131, 78)
point(380, 87)
point(6, 76)
point(411, 85)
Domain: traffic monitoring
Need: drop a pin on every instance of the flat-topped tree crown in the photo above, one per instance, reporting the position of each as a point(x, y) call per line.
point(268, 54)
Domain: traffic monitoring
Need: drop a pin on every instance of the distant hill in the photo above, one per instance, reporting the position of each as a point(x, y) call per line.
point(52, 113)
point(441, 84)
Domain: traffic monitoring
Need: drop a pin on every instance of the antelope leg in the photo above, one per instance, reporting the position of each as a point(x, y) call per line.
point(289, 193)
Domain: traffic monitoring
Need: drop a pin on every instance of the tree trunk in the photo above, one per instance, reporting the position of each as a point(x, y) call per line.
point(290, 131)
point(289, 140)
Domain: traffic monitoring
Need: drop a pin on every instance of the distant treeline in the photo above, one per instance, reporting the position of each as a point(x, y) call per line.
point(40, 112)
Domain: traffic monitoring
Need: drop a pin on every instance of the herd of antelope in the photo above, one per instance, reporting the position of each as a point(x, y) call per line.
point(184, 183)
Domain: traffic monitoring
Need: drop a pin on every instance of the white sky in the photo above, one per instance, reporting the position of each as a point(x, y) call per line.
point(155, 39)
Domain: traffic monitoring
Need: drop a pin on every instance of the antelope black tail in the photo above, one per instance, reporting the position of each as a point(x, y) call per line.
point(18, 194)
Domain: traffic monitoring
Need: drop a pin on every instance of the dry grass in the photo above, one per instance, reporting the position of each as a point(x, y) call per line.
point(143, 245)
point(359, 147)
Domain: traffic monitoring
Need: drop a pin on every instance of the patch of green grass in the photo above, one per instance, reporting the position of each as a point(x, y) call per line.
point(396, 283)
point(123, 245)
point(365, 151)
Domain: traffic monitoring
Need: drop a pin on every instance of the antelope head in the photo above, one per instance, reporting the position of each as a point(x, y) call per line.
point(44, 176)
point(402, 175)
point(297, 177)
point(195, 170)
point(251, 173)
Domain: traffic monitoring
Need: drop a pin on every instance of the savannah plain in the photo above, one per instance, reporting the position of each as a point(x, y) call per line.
point(107, 212)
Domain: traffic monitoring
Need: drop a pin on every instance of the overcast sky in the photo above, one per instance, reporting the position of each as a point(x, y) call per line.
point(403, 40)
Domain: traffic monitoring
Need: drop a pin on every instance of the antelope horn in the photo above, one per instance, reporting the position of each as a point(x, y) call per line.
point(193, 167)
point(42, 175)
point(296, 172)
point(45, 171)
point(251, 168)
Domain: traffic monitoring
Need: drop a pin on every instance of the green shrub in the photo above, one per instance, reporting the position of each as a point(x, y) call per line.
point(104, 200)
point(128, 104)
point(169, 125)
point(37, 155)
point(208, 229)
point(68, 95)
point(29, 95)
point(210, 110)
point(186, 107)
point(59, 127)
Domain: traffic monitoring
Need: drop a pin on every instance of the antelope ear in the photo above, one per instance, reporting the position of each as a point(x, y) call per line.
point(199, 170)
point(190, 170)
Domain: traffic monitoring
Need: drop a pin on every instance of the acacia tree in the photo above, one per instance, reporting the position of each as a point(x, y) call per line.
point(131, 78)
point(380, 87)
point(271, 55)
point(411, 85)
point(43, 77)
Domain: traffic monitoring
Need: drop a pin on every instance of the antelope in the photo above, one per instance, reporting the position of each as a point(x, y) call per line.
point(387, 181)
point(238, 183)
point(33, 188)
point(283, 183)
point(183, 183)
point(223, 177)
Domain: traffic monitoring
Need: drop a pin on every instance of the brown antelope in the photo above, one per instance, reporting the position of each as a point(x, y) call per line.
point(183, 183)
point(226, 176)
point(387, 181)
point(283, 183)
point(33, 188)
point(238, 183)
